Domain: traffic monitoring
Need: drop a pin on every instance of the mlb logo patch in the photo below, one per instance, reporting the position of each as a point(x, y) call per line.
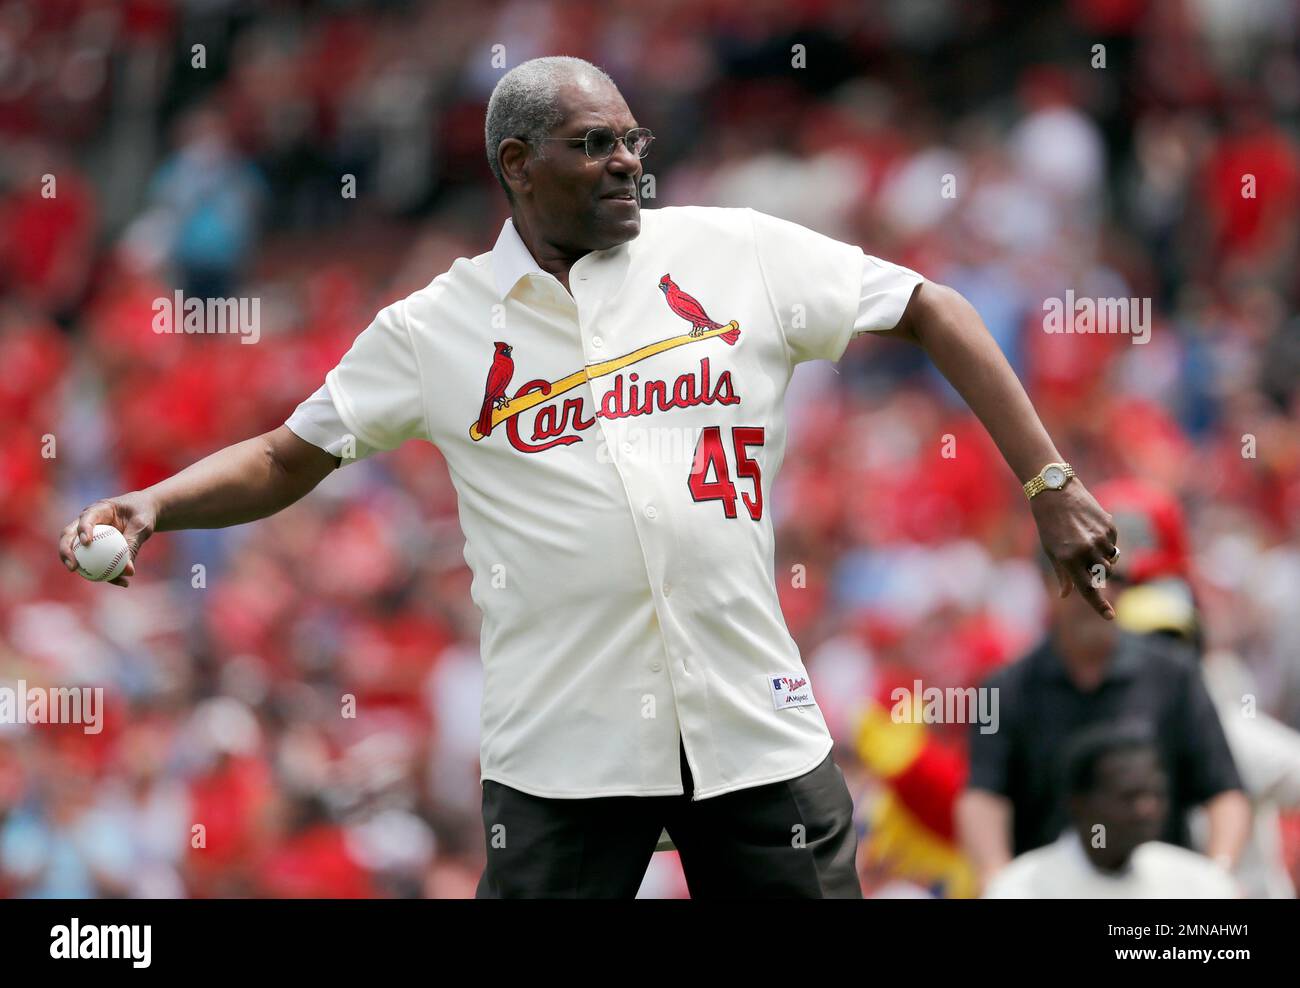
point(790, 691)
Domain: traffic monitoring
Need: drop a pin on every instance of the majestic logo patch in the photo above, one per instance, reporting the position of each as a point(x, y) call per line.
point(790, 691)
point(625, 397)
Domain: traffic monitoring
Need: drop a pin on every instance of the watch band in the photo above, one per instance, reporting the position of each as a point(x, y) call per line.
point(1036, 485)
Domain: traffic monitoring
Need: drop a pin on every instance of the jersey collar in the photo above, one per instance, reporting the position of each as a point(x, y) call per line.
point(511, 260)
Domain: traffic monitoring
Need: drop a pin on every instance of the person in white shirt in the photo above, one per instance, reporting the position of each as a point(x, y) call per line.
point(607, 386)
point(1118, 804)
point(1267, 752)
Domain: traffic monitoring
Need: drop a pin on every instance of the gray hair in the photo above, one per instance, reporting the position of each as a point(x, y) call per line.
point(525, 103)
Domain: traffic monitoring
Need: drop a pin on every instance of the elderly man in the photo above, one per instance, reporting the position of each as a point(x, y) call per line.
point(606, 386)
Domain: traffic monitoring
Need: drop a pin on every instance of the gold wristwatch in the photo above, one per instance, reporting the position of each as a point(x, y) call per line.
point(1051, 478)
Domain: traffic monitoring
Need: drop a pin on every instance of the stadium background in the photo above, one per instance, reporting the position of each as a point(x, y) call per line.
point(226, 180)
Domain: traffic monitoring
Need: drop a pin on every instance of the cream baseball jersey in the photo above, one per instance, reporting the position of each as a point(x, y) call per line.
point(613, 451)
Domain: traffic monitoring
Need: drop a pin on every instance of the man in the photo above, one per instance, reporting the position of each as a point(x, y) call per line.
point(1117, 806)
point(1083, 673)
point(606, 387)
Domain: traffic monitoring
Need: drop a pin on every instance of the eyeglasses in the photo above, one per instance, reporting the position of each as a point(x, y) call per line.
point(600, 142)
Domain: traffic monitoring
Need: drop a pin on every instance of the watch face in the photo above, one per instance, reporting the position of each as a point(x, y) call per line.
point(1054, 477)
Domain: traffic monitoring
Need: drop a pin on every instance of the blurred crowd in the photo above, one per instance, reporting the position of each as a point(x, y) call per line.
point(1011, 150)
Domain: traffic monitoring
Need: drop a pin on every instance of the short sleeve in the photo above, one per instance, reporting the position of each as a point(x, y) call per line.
point(317, 421)
point(1267, 754)
point(885, 291)
point(825, 291)
point(990, 761)
point(990, 754)
point(373, 395)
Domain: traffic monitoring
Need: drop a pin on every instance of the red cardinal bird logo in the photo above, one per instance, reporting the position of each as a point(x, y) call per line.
point(689, 309)
point(498, 379)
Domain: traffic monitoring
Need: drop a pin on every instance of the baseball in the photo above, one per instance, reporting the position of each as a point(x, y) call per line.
point(105, 557)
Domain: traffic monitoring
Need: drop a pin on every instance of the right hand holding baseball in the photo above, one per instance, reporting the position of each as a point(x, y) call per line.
point(134, 515)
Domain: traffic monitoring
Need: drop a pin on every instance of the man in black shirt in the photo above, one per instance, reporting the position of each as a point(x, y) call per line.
point(1089, 672)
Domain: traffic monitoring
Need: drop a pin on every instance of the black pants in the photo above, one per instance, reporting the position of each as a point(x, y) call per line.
point(792, 839)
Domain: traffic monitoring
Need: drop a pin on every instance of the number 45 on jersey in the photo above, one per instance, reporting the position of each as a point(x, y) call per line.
point(714, 456)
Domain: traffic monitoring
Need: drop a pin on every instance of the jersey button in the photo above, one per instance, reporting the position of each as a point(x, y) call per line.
point(597, 342)
point(668, 589)
point(651, 512)
point(655, 666)
point(627, 448)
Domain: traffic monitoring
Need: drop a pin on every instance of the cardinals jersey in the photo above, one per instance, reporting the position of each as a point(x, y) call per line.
point(613, 451)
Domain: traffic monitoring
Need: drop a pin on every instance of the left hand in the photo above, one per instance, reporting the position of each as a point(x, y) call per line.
point(1078, 534)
